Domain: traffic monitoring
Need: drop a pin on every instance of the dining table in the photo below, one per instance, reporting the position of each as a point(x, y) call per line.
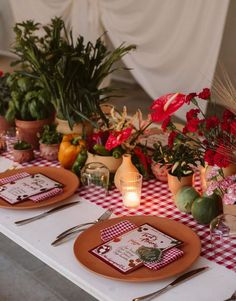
point(217, 283)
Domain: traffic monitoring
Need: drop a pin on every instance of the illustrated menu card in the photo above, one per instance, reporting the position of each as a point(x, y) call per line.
point(22, 189)
point(122, 251)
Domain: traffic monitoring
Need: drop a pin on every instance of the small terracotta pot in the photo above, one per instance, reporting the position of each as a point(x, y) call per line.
point(29, 130)
point(64, 128)
point(109, 161)
point(175, 184)
point(49, 151)
point(23, 155)
point(160, 172)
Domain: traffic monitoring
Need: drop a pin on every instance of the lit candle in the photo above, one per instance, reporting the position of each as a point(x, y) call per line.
point(131, 199)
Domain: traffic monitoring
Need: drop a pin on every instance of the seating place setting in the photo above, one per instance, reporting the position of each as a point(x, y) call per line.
point(128, 201)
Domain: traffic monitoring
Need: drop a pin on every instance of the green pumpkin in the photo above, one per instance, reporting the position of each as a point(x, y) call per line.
point(204, 209)
point(185, 197)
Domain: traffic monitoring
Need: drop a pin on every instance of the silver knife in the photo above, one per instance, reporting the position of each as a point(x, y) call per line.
point(36, 217)
point(177, 281)
point(70, 232)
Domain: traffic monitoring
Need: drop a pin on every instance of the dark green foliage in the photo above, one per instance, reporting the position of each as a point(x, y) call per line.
point(50, 135)
point(5, 94)
point(22, 145)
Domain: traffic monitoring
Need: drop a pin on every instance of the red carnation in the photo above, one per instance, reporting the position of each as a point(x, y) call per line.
point(171, 138)
point(192, 113)
point(212, 122)
point(227, 115)
point(1, 73)
point(221, 159)
point(192, 125)
point(233, 127)
point(166, 106)
point(117, 138)
point(225, 126)
point(189, 97)
point(205, 94)
point(209, 157)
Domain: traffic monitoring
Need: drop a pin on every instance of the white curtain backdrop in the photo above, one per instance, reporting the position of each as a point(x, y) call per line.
point(178, 41)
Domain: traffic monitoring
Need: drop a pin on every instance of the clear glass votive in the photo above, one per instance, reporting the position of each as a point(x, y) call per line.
point(95, 175)
point(10, 137)
point(223, 236)
point(131, 188)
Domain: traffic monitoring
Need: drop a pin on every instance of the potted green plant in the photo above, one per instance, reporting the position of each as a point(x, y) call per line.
point(71, 71)
point(29, 106)
point(5, 96)
point(49, 142)
point(180, 160)
point(22, 151)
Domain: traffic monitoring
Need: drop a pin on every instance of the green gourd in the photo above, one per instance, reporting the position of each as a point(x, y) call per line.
point(185, 198)
point(204, 209)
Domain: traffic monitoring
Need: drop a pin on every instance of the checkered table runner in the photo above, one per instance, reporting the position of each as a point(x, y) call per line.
point(156, 200)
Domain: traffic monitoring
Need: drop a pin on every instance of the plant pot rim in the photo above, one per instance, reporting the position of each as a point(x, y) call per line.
point(27, 149)
point(49, 144)
point(96, 155)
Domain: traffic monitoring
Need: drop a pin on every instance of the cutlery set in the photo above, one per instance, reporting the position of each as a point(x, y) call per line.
point(67, 234)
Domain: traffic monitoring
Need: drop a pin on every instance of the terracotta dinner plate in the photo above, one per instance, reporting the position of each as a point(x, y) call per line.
point(91, 238)
point(65, 177)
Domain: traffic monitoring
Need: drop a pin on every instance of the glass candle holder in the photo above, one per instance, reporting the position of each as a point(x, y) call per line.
point(131, 188)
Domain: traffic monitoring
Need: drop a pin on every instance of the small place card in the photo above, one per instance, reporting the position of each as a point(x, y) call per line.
point(22, 189)
point(122, 252)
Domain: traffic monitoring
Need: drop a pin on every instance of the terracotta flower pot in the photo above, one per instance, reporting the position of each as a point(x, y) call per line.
point(175, 184)
point(110, 162)
point(24, 155)
point(49, 151)
point(4, 124)
point(29, 130)
point(160, 172)
point(64, 128)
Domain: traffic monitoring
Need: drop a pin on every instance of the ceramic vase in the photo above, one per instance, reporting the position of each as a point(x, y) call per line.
point(109, 161)
point(79, 128)
point(49, 151)
point(125, 167)
point(175, 184)
point(24, 155)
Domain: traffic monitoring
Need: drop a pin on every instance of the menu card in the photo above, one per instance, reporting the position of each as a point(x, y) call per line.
point(22, 189)
point(122, 252)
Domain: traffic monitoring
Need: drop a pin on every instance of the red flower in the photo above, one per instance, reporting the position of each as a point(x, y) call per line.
point(220, 158)
point(142, 158)
point(227, 115)
point(192, 113)
point(192, 125)
point(205, 94)
point(165, 123)
point(189, 97)
point(117, 138)
point(171, 138)
point(225, 126)
point(166, 106)
point(212, 122)
point(233, 127)
point(209, 157)
point(1, 73)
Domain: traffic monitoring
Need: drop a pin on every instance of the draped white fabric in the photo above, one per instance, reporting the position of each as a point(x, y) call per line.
point(177, 40)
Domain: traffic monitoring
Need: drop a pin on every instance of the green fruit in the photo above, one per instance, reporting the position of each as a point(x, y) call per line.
point(204, 209)
point(185, 197)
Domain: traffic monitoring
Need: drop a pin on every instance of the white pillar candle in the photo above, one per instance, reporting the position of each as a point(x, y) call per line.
point(131, 199)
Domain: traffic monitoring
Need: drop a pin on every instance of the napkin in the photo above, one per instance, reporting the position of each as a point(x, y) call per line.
point(122, 227)
point(35, 198)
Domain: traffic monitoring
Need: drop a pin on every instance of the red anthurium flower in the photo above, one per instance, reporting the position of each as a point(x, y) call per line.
point(189, 97)
point(166, 106)
point(205, 94)
point(1, 73)
point(117, 138)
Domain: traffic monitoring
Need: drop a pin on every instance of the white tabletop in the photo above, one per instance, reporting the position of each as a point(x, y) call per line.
point(216, 284)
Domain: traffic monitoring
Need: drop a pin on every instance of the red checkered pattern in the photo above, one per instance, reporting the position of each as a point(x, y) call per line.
point(116, 230)
point(13, 178)
point(156, 200)
point(46, 195)
point(167, 257)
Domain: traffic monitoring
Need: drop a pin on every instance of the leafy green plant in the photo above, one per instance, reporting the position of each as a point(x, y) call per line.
point(5, 94)
point(29, 100)
point(180, 159)
point(22, 145)
point(71, 71)
point(50, 135)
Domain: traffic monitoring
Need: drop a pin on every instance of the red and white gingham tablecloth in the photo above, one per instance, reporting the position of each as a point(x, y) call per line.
point(156, 200)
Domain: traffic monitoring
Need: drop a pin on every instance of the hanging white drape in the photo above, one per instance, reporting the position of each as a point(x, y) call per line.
point(178, 41)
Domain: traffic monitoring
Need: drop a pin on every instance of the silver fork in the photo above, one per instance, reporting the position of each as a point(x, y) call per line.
point(64, 236)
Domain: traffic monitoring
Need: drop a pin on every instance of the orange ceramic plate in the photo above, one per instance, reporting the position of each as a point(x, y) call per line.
point(66, 177)
point(91, 238)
